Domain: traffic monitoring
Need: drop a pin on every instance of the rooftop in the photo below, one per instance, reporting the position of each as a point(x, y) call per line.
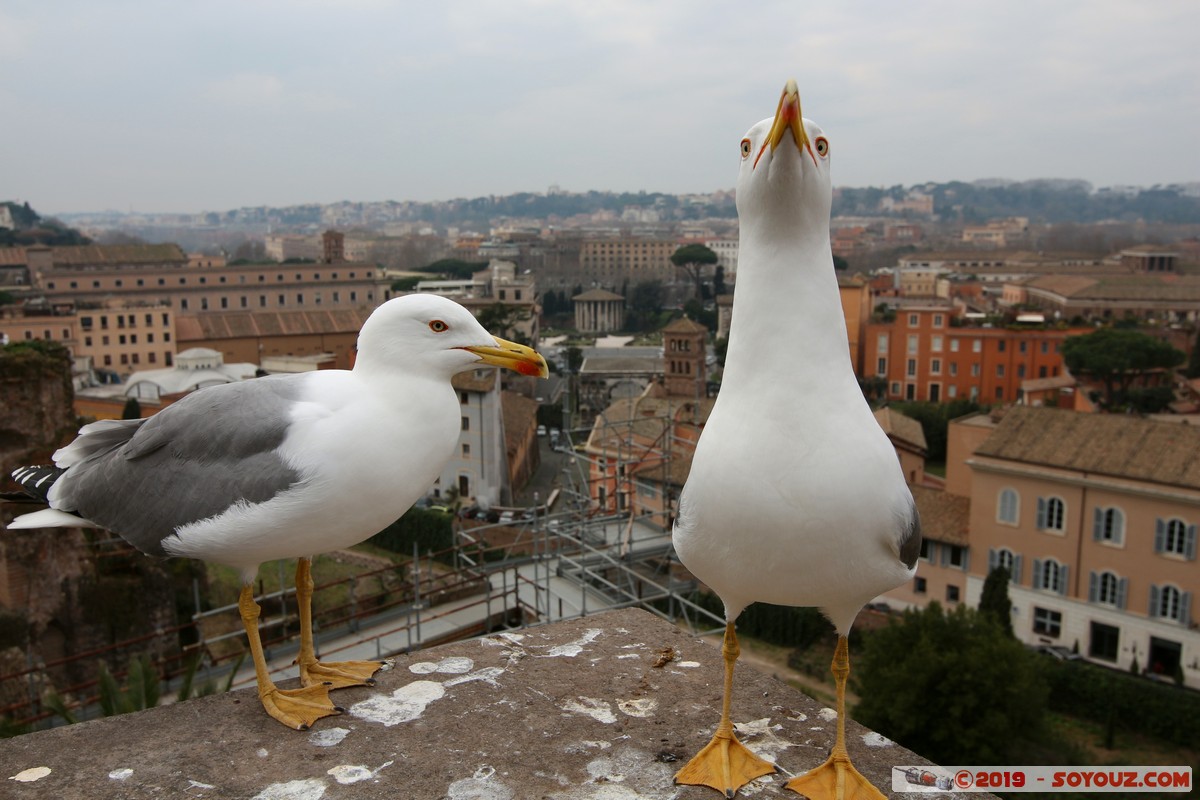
point(1105, 444)
point(608, 706)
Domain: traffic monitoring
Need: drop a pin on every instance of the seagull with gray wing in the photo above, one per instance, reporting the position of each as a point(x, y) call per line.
point(283, 467)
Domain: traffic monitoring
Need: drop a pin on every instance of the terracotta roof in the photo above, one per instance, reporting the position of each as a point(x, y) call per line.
point(252, 324)
point(944, 517)
point(470, 382)
point(898, 426)
point(1121, 287)
point(684, 325)
point(117, 254)
point(1105, 444)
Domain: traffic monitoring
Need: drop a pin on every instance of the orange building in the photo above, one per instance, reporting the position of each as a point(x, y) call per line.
point(923, 356)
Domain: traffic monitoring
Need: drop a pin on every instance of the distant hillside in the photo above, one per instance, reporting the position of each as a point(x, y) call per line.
point(29, 228)
point(1042, 201)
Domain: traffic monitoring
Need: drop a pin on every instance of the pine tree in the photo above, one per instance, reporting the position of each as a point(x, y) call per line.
point(994, 600)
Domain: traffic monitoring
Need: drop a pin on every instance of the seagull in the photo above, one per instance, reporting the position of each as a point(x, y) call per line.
point(795, 496)
point(284, 466)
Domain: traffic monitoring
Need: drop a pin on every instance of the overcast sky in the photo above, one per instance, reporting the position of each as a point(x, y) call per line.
point(191, 106)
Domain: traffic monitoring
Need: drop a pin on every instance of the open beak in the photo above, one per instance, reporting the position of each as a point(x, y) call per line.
point(511, 355)
point(787, 118)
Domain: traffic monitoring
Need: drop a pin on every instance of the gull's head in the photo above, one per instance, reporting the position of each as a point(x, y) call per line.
point(785, 166)
point(434, 336)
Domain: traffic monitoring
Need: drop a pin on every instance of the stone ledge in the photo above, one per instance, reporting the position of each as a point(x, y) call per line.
point(588, 708)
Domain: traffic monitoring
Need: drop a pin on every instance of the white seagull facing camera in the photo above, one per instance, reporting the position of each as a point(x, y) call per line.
point(283, 467)
point(795, 495)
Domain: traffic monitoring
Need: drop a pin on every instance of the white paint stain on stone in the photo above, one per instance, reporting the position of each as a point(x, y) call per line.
point(403, 705)
point(311, 789)
point(626, 773)
point(120, 774)
point(483, 785)
point(488, 675)
point(763, 738)
point(350, 773)
point(572, 649)
point(874, 739)
point(201, 786)
point(328, 737)
point(451, 665)
point(640, 707)
point(262, 752)
point(597, 709)
point(30, 775)
point(688, 664)
point(827, 714)
point(628, 655)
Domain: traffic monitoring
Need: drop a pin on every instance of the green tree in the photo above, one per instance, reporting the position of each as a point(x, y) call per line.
point(1193, 367)
point(1116, 357)
point(692, 259)
point(501, 320)
point(454, 268)
point(950, 686)
point(994, 600)
point(405, 284)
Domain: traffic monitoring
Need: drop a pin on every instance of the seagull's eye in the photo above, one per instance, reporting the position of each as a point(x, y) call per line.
point(437, 326)
point(822, 145)
point(746, 148)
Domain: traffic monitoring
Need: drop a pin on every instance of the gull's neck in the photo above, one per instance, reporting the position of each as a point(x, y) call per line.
point(787, 325)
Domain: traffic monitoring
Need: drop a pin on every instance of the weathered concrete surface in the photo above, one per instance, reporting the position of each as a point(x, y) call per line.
point(603, 707)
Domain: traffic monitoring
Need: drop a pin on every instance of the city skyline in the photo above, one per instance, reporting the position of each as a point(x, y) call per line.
point(127, 106)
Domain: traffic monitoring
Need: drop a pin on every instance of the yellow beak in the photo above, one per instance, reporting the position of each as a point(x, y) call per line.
point(788, 118)
point(511, 355)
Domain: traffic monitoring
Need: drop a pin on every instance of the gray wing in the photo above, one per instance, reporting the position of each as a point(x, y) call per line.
point(192, 460)
point(910, 539)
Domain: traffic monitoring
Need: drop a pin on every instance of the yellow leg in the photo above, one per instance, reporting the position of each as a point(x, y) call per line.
point(296, 708)
point(725, 764)
point(837, 777)
point(335, 674)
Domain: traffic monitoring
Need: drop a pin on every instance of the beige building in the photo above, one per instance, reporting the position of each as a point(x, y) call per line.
point(164, 275)
point(118, 337)
point(1095, 515)
point(612, 262)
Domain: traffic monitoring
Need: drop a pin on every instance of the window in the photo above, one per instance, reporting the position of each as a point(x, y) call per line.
point(913, 319)
point(881, 367)
point(954, 556)
point(935, 344)
point(918, 586)
point(913, 343)
point(952, 390)
point(1005, 559)
point(1024, 347)
point(1008, 507)
point(911, 368)
point(466, 450)
point(1047, 622)
point(1168, 603)
point(1104, 641)
point(466, 423)
point(1107, 589)
point(1050, 575)
point(927, 550)
point(1175, 537)
point(951, 594)
point(1051, 514)
point(1001, 345)
point(953, 369)
point(937, 322)
point(954, 345)
point(974, 370)
point(935, 366)
point(1108, 525)
point(999, 370)
point(977, 346)
point(881, 343)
